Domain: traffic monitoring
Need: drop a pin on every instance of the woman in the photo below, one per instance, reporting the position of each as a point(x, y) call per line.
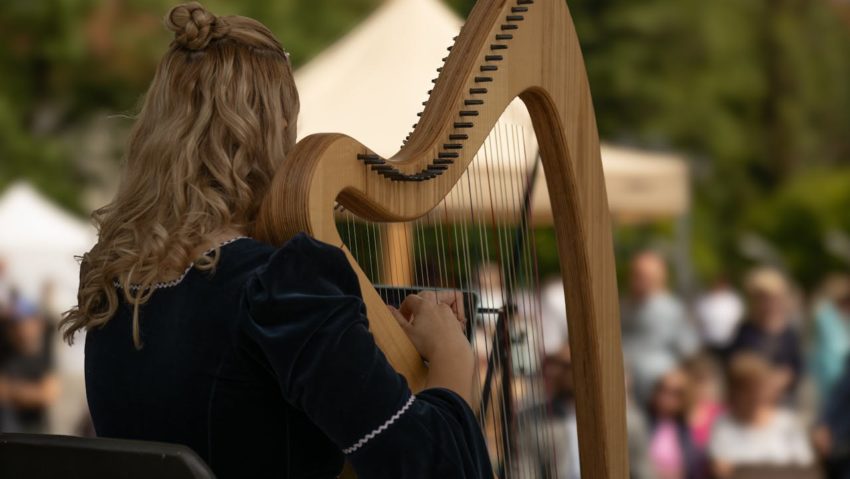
point(260, 359)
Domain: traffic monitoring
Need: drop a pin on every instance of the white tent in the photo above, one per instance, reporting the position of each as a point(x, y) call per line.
point(38, 241)
point(372, 82)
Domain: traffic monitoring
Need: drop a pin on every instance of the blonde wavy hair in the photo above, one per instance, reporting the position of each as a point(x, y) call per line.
point(218, 118)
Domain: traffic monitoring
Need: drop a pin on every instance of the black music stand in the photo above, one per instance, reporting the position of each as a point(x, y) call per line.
point(39, 456)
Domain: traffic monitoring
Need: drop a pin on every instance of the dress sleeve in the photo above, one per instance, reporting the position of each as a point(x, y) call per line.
point(305, 312)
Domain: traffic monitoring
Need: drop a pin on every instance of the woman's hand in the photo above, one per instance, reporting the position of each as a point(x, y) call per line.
point(434, 322)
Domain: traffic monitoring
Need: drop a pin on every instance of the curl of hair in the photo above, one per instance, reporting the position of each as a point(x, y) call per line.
point(218, 117)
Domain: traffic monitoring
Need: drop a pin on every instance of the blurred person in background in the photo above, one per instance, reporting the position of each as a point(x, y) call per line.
point(637, 438)
point(5, 290)
point(768, 329)
point(831, 436)
point(656, 329)
point(553, 314)
point(556, 419)
point(718, 313)
point(7, 296)
point(706, 406)
point(756, 431)
point(6, 314)
point(28, 383)
point(830, 333)
point(560, 424)
point(49, 303)
point(671, 448)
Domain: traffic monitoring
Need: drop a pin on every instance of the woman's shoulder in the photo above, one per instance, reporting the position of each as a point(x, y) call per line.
point(300, 251)
point(303, 265)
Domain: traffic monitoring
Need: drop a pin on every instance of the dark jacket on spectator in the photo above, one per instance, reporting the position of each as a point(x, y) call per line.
point(782, 349)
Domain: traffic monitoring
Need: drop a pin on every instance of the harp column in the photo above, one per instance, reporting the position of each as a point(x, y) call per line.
point(399, 267)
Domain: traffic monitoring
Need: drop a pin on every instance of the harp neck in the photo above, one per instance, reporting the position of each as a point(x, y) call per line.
point(507, 49)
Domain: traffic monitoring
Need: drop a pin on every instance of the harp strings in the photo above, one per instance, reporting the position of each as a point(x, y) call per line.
point(480, 240)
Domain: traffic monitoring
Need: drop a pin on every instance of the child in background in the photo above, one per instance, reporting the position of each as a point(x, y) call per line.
point(755, 431)
point(671, 449)
point(706, 406)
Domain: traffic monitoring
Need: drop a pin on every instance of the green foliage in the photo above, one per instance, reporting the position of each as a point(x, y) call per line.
point(797, 217)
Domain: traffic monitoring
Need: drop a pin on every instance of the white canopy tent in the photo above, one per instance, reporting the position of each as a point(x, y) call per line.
point(371, 83)
point(38, 242)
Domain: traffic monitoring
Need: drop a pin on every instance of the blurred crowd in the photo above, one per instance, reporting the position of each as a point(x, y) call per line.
point(29, 384)
point(733, 383)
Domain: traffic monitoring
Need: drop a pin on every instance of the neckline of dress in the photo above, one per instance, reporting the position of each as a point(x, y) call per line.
point(179, 279)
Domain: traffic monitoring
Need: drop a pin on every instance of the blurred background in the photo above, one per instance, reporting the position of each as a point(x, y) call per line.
point(726, 131)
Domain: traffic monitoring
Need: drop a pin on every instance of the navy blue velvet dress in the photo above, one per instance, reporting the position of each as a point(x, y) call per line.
point(266, 368)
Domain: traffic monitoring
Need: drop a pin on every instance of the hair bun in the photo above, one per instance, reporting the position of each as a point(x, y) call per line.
point(194, 26)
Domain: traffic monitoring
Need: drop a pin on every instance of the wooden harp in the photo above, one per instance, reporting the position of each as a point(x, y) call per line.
point(507, 49)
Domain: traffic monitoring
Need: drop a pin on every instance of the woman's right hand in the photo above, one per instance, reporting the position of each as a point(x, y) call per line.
point(434, 322)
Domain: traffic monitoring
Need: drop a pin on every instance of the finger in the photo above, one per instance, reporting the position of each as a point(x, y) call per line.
point(447, 311)
point(428, 296)
point(402, 321)
point(447, 296)
point(460, 310)
point(411, 305)
point(451, 297)
point(454, 299)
